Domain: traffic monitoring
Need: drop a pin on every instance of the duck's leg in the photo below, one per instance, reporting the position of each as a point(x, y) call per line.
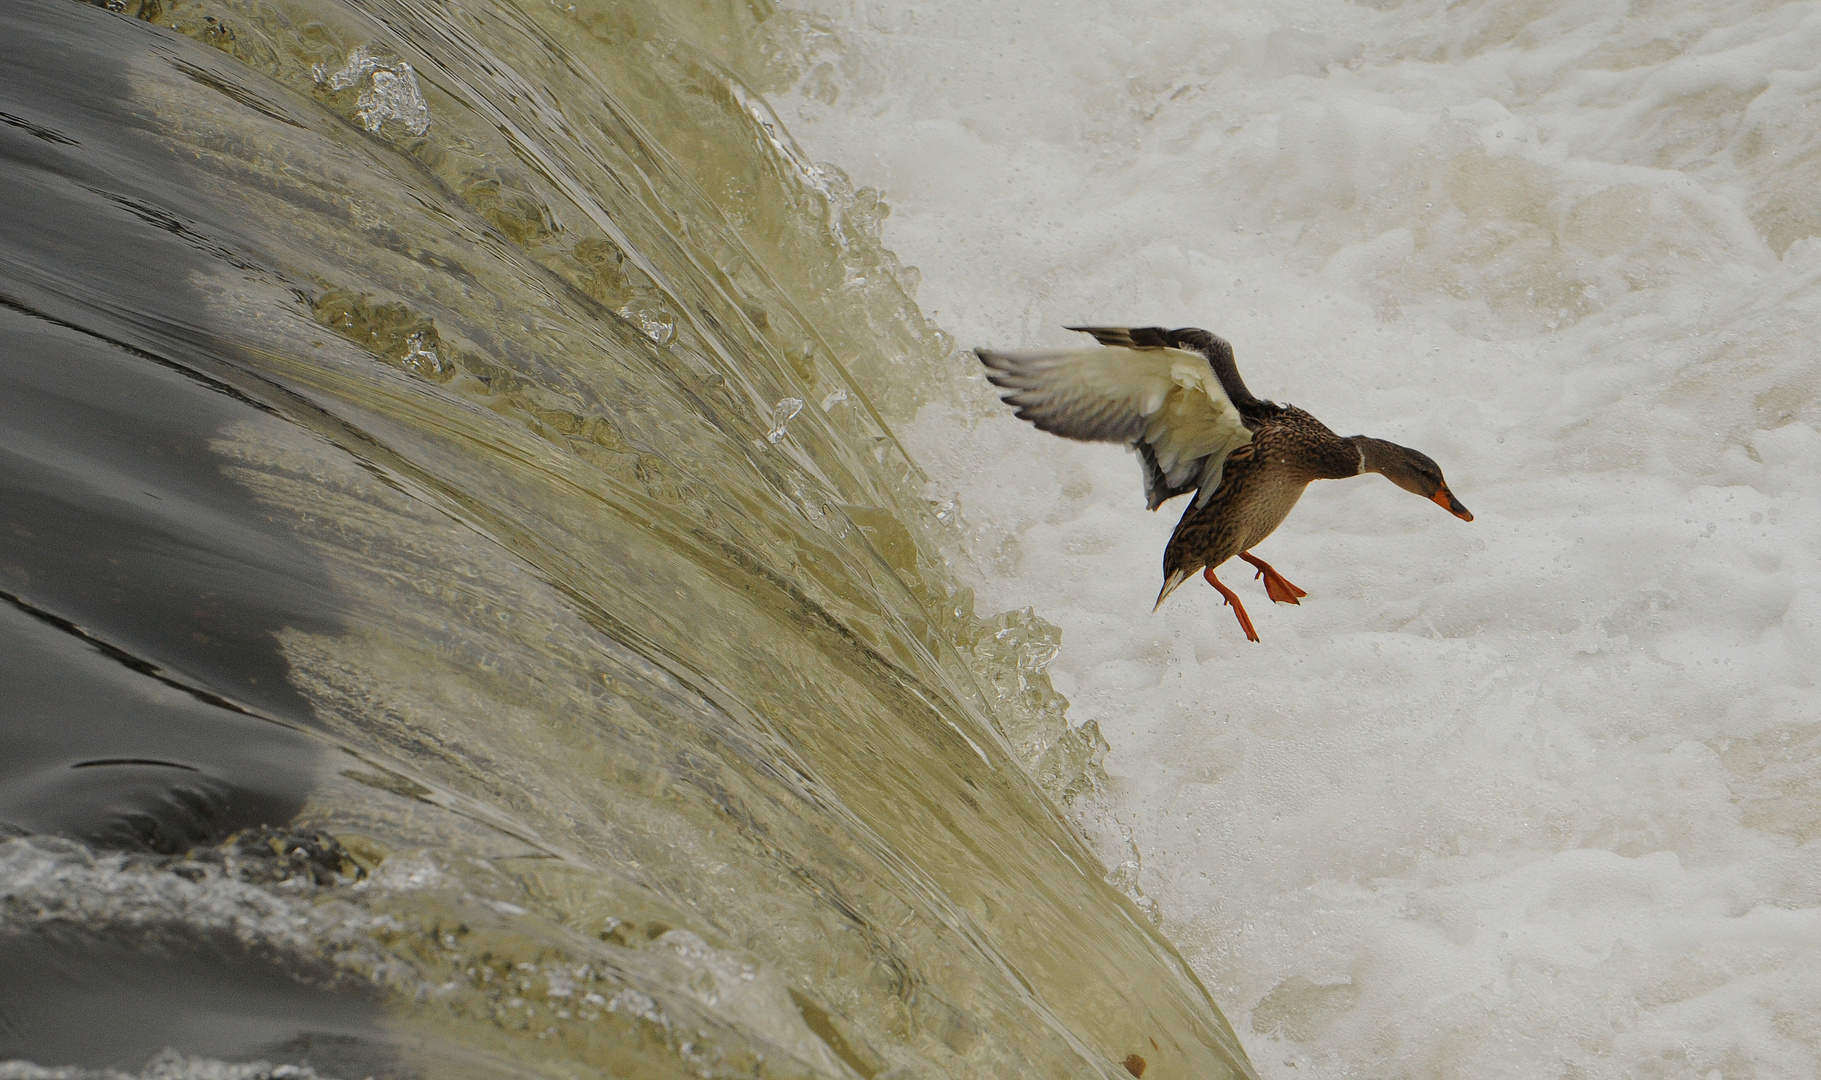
point(1277, 587)
point(1239, 609)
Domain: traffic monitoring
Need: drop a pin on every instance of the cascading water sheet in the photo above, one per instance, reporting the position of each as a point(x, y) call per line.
point(466, 613)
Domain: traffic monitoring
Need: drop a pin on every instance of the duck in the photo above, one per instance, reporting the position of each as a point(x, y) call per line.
point(1175, 398)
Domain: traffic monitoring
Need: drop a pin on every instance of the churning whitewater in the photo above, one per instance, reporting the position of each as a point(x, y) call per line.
point(497, 543)
point(1535, 796)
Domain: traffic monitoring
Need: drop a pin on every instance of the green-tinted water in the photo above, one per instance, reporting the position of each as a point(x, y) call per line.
point(539, 529)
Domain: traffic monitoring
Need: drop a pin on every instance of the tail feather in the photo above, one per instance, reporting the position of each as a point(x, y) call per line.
point(1169, 586)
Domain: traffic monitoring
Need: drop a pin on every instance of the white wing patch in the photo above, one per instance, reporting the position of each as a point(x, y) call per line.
point(1166, 399)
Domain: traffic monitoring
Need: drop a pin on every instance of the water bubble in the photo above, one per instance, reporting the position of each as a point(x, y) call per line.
point(390, 93)
point(633, 1003)
point(655, 323)
point(786, 409)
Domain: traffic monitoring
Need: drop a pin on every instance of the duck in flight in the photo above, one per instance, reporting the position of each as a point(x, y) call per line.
point(1175, 396)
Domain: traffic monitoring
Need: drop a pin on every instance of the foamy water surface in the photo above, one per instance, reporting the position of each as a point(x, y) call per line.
point(1532, 796)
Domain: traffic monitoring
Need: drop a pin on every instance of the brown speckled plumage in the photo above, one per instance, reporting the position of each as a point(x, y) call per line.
point(1262, 483)
point(1197, 428)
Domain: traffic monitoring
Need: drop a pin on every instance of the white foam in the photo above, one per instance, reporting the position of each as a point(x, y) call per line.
point(1533, 796)
point(169, 1065)
point(389, 95)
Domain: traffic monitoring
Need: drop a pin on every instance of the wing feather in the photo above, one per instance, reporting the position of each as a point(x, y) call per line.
point(1166, 402)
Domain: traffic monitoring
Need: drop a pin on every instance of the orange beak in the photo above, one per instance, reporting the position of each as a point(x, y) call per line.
point(1446, 500)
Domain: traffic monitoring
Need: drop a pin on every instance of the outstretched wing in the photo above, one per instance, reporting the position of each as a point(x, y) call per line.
point(1132, 337)
point(1195, 340)
point(1164, 402)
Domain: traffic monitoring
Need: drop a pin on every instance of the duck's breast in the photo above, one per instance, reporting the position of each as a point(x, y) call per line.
point(1273, 496)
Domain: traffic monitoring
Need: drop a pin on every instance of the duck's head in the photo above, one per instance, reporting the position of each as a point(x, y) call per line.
point(1412, 470)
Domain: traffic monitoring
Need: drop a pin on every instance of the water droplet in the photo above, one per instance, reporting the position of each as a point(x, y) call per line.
point(785, 410)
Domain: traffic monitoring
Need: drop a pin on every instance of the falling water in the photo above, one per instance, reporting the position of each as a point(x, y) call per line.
point(467, 613)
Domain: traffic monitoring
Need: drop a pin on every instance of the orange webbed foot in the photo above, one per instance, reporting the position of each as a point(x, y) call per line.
point(1239, 609)
point(1277, 587)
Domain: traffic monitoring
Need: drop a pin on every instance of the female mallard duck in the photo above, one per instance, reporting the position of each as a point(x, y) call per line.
point(1175, 396)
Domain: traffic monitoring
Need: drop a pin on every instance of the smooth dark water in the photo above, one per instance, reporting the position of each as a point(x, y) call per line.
point(143, 702)
point(93, 1004)
point(142, 586)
